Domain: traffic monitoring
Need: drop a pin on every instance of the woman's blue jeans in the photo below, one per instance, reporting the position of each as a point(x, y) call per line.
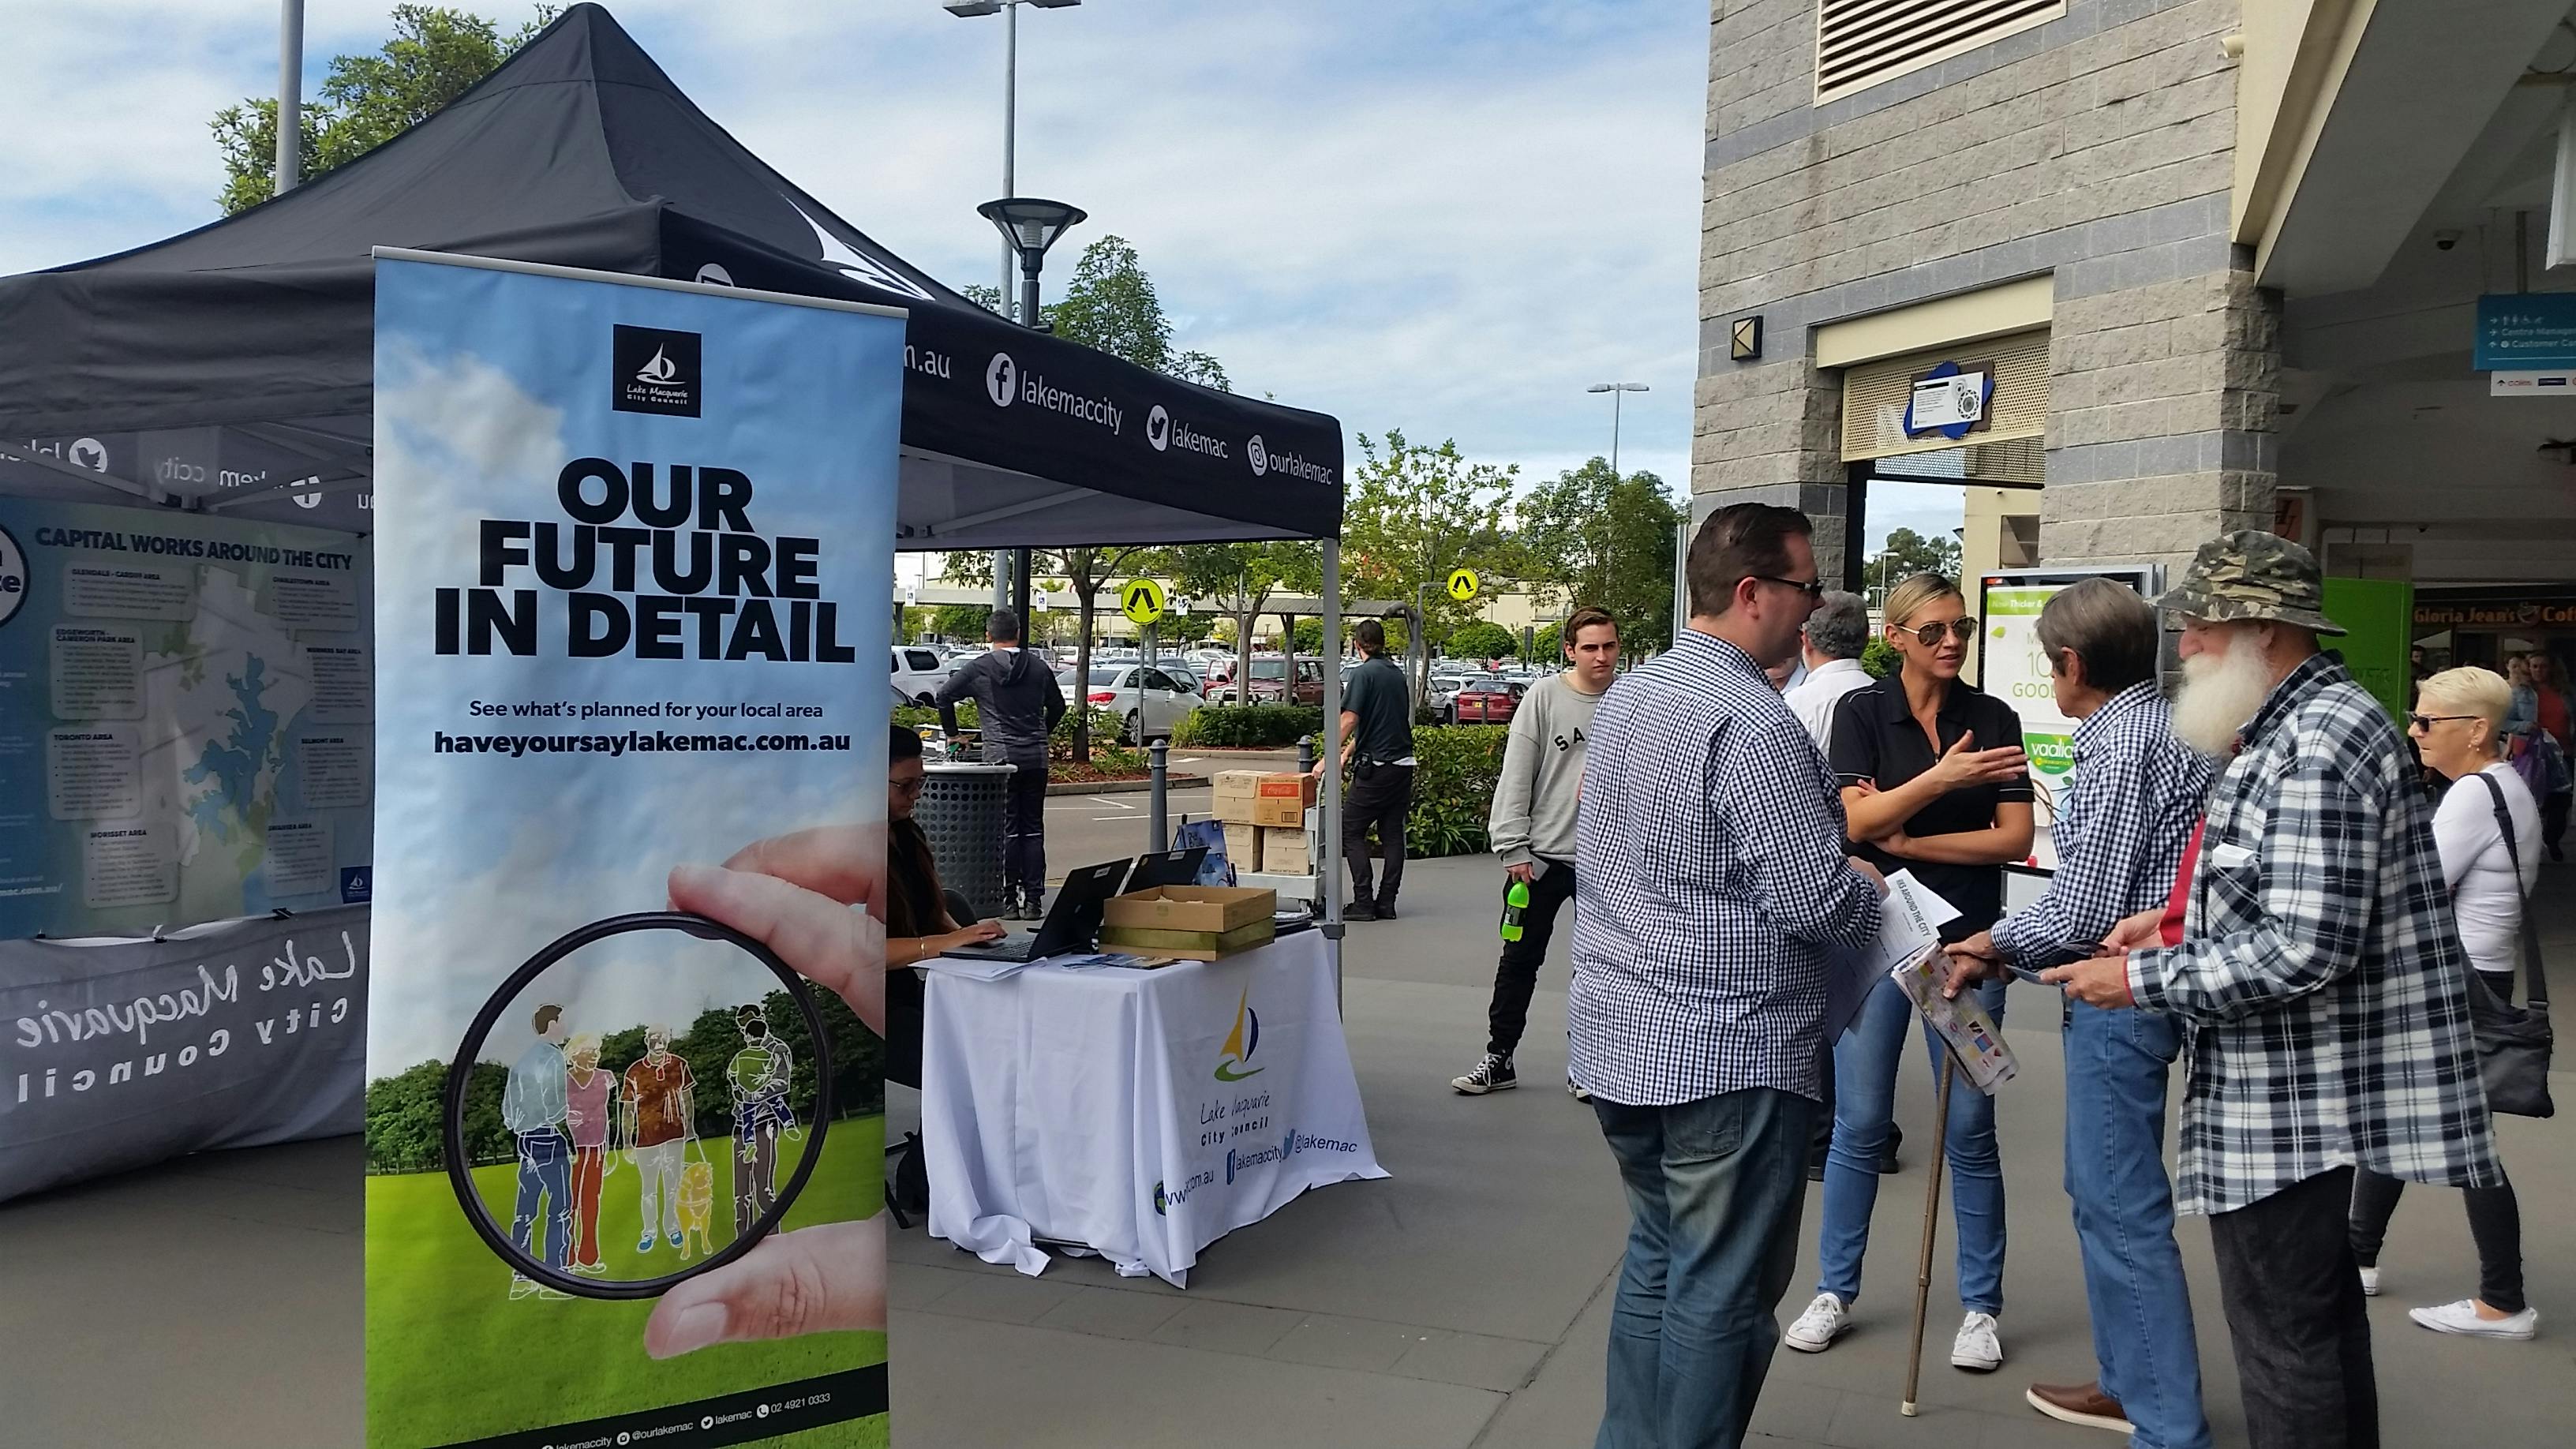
point(1865, 1069)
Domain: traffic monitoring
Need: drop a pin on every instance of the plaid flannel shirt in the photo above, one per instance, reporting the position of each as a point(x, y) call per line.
point(2321, 983)
point(1709, 880)
point(2121, 828)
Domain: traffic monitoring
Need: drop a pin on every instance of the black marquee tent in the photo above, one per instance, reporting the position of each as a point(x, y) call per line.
point(227, 368)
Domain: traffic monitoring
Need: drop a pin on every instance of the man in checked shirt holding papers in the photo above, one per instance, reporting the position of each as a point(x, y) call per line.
point(2320, 982)
point(1710, 885)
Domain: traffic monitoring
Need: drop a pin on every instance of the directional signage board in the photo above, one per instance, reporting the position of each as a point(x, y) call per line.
point(1141, 601)
point(1462, 584)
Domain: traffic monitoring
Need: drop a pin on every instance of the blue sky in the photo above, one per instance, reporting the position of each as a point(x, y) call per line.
point(1437, 215)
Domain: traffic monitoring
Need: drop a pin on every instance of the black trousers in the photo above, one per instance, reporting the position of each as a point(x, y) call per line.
point(1024, 827)
point(2495, 1224)
point(1381, 795)
point(2553, 818)
point(1516, 975)
point(2292, 1294)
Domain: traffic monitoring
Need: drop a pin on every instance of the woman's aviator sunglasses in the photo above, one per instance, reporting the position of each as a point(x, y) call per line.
point(1963, 630)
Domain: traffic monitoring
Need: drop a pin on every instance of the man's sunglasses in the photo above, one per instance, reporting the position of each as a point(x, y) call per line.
point(2427, 721)
point(1962, 630)
point(1814, 589)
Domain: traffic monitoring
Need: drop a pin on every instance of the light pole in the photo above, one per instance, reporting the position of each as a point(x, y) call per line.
point(290, 95)
point(1029, 226)
point(1009, 10)
point(1615, 389)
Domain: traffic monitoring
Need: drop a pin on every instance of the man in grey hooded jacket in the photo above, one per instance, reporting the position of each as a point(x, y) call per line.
point(1533, 830)
point(1018, 703)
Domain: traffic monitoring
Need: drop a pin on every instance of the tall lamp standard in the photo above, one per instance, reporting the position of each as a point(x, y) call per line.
point(1009, 10)
point(1615, 389)
point(1029, 226)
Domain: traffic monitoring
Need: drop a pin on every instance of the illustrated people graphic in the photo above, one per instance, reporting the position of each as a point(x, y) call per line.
point(534, 1107)
point(660, 1118)
point(758, 1075)
point(586, 1093)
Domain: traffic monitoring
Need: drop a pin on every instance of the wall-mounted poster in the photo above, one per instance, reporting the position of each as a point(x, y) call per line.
point(624, 1131)
point(186, 709)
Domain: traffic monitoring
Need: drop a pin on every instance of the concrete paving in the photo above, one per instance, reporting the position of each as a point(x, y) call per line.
point(1461, 1304)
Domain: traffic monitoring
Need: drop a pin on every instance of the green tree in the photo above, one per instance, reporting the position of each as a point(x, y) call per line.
point(436, 54)
point(1478, 639)
point(1412, 515)
point(1907, 553)
point(964, 623)
point(1605, 541)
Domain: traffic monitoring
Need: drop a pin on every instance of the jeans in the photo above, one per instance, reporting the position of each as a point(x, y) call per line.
point(545, 1170)
point(2495, 1223)
point(1516, 975)
point(1381, 795)
point(755, 1175)
point(2117, 1063)
point(2292, 1292)
point(1865, 1069)
point(1024, 825)
point(1714, 1191)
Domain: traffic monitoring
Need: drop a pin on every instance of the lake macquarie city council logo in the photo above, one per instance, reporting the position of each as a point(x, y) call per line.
point(1236, 1055)
point(655, 370)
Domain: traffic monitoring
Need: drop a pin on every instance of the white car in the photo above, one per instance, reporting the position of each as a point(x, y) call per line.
point(1148, 702)
point(918, 672)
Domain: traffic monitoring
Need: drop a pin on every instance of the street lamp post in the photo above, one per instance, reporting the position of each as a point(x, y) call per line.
point(1615, 389)
point(1029, 226)
point(290, 95)
point(1009, 10)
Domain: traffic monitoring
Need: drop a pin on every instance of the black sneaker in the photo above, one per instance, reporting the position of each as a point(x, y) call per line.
point(1493, 1074)
point(1032, 907)
point(1386, 910)
point(1887, 1157)
point(1360, 911)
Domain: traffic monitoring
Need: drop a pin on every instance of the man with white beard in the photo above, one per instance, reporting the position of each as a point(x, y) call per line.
point(2320, 982)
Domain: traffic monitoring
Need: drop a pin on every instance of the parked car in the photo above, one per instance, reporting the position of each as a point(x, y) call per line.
point(1149, 702)
point(1485, 701)
point(918, 672)
point(1266, 677)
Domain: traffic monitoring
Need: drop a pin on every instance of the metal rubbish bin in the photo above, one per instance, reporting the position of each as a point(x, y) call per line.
point(961, 811)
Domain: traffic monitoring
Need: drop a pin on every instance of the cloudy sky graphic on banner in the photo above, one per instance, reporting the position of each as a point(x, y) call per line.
point(557, 841)
point(1448, 216)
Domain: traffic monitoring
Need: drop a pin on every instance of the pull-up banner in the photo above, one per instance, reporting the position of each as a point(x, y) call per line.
point(624, 1132)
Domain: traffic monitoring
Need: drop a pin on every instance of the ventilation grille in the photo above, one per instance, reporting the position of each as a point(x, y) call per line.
point(1862, 42)
point(2011, 450)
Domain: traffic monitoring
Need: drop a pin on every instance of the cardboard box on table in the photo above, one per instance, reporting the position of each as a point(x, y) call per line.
point(1195, 923)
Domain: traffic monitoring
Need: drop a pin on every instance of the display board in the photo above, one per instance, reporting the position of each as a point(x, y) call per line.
point(185, 707)
point(626, 1176)
point(2378, 616)
point(2014, 668)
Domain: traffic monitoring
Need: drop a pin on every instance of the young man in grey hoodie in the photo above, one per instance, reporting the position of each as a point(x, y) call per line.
point(1533, 830)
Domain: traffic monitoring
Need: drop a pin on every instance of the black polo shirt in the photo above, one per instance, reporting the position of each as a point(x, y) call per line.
point(1877, 739)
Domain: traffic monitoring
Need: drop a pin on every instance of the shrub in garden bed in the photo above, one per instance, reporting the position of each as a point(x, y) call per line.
point(1248, 726)
point(1453, 789)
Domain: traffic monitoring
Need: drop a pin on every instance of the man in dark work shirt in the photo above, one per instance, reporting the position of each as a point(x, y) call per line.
point(1377, 746)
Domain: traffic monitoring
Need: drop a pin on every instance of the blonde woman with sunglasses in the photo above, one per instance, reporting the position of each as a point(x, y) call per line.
point(1934, 781)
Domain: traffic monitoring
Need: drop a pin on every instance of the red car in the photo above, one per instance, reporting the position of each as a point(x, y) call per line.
point(1266, 675)
point(1486, 701)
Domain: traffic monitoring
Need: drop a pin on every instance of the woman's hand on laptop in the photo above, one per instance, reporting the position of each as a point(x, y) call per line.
point(974, 935)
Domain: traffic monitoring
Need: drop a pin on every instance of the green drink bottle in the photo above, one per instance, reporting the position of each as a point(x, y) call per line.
point(1515, 904)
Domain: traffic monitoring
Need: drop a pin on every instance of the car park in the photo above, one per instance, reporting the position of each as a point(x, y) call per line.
point(918, 671)
point(1490, 700)
point(1267, 674)
point(1149, 703)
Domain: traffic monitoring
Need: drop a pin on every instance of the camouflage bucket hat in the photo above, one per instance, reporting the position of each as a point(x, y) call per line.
point(2250, 574)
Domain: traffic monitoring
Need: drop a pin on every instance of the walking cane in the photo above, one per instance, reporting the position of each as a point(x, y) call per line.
point(1931, 1228)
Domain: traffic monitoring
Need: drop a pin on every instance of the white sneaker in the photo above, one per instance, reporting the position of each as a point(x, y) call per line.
point(1816, 1329)
point(2462, 1318)
point(1977, 1348)
point(2370, 1282)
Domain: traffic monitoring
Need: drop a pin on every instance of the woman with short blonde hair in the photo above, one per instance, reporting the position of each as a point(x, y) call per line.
point(2457, 726)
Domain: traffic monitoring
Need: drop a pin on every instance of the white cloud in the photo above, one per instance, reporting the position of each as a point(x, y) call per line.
point(1446, 216)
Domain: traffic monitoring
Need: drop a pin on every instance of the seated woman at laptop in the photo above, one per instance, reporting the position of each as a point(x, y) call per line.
point(916, 917)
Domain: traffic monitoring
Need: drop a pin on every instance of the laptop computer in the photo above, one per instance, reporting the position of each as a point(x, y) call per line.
point(1071, 924)
point(1156, 869)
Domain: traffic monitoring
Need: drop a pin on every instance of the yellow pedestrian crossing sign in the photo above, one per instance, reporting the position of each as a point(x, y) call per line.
point(1462, 584)
point(1141, 601)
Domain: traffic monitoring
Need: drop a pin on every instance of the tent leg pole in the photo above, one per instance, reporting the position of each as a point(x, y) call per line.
point(1329, 799)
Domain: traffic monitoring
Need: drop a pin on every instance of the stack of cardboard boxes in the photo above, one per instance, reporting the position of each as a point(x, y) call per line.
point(1265, 820)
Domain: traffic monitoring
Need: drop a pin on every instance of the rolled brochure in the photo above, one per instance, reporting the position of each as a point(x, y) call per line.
point(1909, 950)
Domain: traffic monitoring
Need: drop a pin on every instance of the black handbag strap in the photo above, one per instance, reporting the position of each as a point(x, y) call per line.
point(2536, 991)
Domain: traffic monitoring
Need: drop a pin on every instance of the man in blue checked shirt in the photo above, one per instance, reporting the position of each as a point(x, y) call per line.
point(2122, 826)
point(2320, 981)
point(1710, 884)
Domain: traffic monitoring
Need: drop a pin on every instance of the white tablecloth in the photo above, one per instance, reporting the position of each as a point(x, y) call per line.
point(1143, 1114)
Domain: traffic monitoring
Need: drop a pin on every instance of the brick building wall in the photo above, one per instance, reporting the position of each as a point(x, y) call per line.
point(2098, 149)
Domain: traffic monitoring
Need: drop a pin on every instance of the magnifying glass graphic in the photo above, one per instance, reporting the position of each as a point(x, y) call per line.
point(644, 1152)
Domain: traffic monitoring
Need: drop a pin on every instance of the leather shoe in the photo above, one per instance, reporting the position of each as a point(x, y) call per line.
point(2083, 1404)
